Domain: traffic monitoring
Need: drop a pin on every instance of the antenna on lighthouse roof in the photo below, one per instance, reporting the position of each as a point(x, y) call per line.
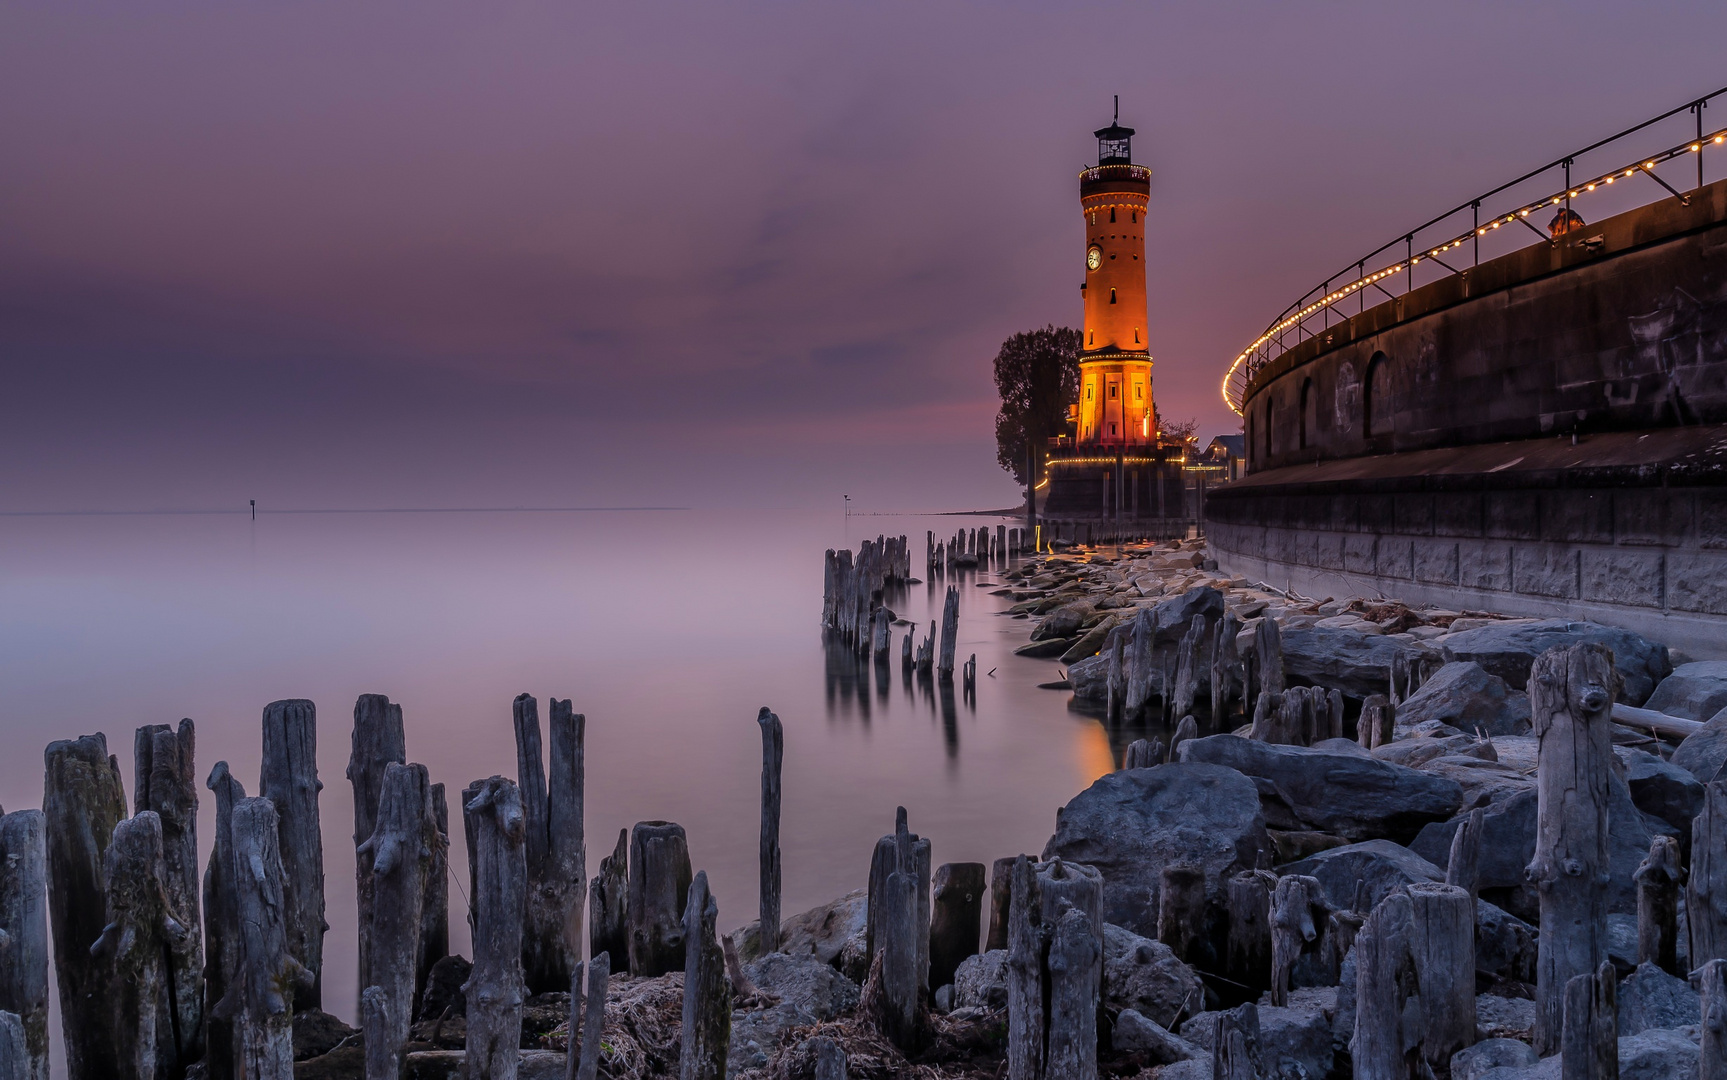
point(1116, 119)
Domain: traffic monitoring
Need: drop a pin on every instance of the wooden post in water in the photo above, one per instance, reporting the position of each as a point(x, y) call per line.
point(773, 758)
point(435, 905)
point(1589, 1041)
point(1187, 668)
point(565, 882)
point(377, 1027)
point(707, 1027)
point(659, 892)
point(494, 990)
point(956, 917)
point(222, 940)
point(400, 849)
point(260, 1000)
point(609, 902)
point(289, 778)
point(1658, 878)
point(586, 1066)
point(135, 944)
point(1442, 943)
point(82, 803)
point(1000, 895)
point(1226, 672)
point(377, 741)
point(1570, 700)
point(24, 921)
point(1025, 1012)
point(164, 782)
point(1075, 979)
point(949, 632)
point(1268, 656)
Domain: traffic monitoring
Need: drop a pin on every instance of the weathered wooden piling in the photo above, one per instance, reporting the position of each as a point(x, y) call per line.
point(773, 759)
point(1235, 1053)
point(554, 848)
point(1706, 889)
point(222, 940)
point(24, 921)
point(1268, 656)
point(1589, 1040)
point(1187, 729)
point(949, 632)
point(609, 904)
point(82, 802)
point(435, 906)
point(377, 1028)
point(1658, 878)
point(1384, 983)
point(884, 862)
point(1248, 955)
point(659, 892)
point(1139, 664)
point(1226, 671)
point(1463, 868)
point(707, 1027)
point(15, 1060)
point(1711, 979)
point(164, 781)
point(1570, 701)
point(586, 1064)
point(1075, 978)
point(378, 740)
point(1142, 754)
point(956, 917)
point(1292, 929)
point(135, 943)
point(1000, 897)
point(1188, 658)
point(494, 990)
point(289, 778)
point(926, 652)
point(1025, 1012)
point(905, 648)
point(1181, 909)
point(1442, 945)
point(1377, 723)
point(400, 849)
point(259, 1002)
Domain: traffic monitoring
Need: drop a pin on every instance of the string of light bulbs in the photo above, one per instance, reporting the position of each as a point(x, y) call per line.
point(1244, 367)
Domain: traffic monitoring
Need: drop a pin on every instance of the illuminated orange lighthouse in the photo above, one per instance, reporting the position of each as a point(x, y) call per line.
point(1115, 404)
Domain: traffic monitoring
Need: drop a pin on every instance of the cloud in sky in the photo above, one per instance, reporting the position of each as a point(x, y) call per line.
point(690, 253)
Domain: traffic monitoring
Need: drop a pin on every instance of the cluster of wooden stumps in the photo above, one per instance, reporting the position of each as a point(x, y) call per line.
point(852, 590)
point(158, 974)
point(970, 548)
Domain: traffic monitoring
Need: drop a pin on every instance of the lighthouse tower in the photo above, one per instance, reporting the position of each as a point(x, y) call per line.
point(1115, 404)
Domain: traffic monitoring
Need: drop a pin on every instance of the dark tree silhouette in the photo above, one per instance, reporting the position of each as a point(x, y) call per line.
point(1037, 375)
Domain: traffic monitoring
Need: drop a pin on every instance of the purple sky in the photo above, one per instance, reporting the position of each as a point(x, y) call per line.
point(432, 254)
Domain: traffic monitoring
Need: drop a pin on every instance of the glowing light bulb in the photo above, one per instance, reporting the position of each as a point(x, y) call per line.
point(1648, 164)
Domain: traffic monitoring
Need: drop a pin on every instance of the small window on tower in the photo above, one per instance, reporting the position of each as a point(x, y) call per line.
point(1138, 392)
point(1112, 296)
point(1112, 429)
point(1112, 393)
point(1136, 335)
point(1088, 391)
point(1093, 340)
point(1136, 217)
point(1112, 215)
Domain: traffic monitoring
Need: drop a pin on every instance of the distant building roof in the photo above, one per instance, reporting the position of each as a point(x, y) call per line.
point(1234, 445)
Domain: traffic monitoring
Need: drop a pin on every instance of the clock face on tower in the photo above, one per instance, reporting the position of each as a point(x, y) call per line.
point(1094, 257)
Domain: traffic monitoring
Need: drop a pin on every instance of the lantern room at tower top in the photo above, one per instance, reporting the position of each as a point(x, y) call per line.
point(1115, 400)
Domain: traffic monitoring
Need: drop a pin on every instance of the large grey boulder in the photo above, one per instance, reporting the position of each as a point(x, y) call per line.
point(1483, 782)
point(1089, 678)
point(1133, 823)
point(1474, 1062)
point(1509, 649)
point(821, 932)
point(1144, 974)
point(1508, 843)
point(1651, 998)
point(980, 981)
point(1297, 1035)
point(1504, 944)
point(1337, 658)
point(1661, 788)
point(1695, 691)
point(1658, 1054)
point(1704, 752)
point(1346, 794)
point(1166, 622)
point(1063, 622)
point(1134, 1034)
point(1468, 697)
point(806, 982)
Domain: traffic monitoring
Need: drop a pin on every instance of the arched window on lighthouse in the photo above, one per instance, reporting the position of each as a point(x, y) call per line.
point(1112, 215)
point(1112, 296)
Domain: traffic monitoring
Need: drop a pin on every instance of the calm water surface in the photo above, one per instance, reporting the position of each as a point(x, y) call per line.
point(669, 629)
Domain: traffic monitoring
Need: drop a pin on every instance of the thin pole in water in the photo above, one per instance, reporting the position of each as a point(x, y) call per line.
point(254, 503)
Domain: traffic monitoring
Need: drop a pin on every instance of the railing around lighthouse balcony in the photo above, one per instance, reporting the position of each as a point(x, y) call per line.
point(1431, 250)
